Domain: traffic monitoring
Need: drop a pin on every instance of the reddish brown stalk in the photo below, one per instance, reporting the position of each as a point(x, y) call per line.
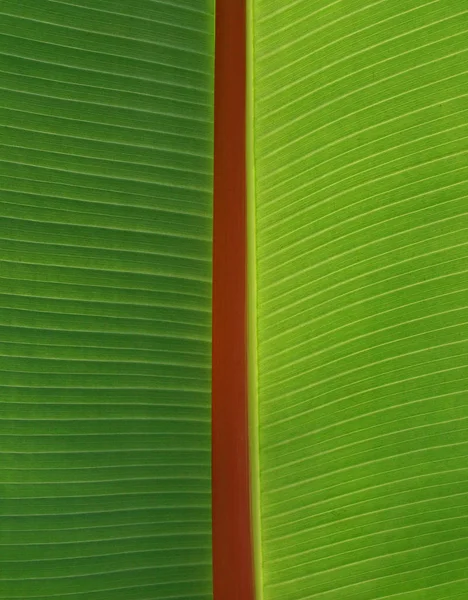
point(232, 547)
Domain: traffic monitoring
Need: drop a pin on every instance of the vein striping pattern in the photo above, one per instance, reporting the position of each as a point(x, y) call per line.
point(106, 134)
point(360, 156)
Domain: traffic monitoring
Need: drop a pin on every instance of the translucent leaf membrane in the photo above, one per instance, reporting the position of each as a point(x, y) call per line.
point(360, 152)
point(106, 111)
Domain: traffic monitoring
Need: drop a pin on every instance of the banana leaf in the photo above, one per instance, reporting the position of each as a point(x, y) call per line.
point(106, 118)
point(359, 254)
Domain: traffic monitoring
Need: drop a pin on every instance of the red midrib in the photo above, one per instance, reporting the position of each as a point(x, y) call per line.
point(232, 547)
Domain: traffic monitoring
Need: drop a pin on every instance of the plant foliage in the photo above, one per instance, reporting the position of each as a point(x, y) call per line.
point(360, 157)
point(105, 298)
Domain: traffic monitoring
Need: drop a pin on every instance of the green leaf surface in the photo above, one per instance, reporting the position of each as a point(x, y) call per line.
point(106, 126)
point(359, 167)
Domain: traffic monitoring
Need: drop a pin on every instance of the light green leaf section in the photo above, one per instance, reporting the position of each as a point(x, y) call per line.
point(360, 146)
point(106, 119)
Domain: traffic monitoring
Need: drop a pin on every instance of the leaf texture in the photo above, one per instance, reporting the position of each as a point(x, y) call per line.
point(360, 179)
point(106, 112)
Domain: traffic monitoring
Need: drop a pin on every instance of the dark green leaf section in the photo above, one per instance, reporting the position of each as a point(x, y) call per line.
point(105, 296)
point(361, 162)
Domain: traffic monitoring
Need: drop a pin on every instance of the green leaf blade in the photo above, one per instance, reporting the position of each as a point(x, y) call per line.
point(360, 149)
point(106, 113)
